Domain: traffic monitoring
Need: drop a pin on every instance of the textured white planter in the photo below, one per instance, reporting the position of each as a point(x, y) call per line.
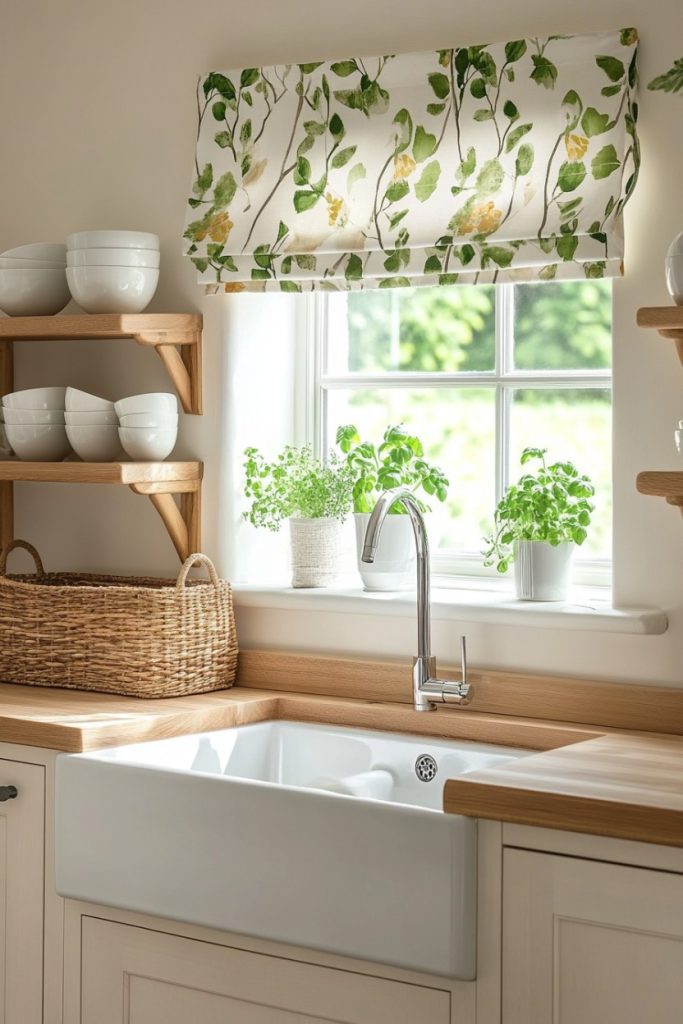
point(317, 551)
point(542, 572)
point(674, 269)
point(394, 565)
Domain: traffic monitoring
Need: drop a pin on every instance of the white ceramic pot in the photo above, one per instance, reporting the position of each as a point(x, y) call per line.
point(317, 547)
point(542, 572)
point(674, 270)
point(394, 565)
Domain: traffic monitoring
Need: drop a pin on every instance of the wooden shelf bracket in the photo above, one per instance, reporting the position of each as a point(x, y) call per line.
point(182, 519)
point(181, 354)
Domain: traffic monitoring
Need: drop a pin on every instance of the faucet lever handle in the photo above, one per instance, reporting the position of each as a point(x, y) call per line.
point(463, 658)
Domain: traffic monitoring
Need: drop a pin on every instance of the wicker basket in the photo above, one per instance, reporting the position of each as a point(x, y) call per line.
point(142, 637)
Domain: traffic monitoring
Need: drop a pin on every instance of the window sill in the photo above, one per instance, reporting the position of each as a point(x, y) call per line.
point(591, 610)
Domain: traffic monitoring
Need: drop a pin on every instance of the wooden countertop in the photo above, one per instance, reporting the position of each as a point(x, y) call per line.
point(628, 786)
point(581, 778)
point(75, 721)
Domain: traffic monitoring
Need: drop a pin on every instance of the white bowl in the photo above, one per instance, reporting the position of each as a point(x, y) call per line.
point(35, 398)
point(81, 401)
point(33, 416)
point(45, 442)
point(95, 443)
point(112, 240)
point(163, 421)
point(15, 263)
point(113, 258)
point(674, 276)
point(92, 418)
point(677, 245)
point(158, 403)
point(112, 289)
point(33, 292)
point(39, 251)
point(148, 444)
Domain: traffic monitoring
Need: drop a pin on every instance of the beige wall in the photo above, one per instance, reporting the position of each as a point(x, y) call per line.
point(97, 126)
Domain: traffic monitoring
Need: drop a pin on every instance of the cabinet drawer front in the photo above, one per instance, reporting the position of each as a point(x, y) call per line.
point(21, 894)
point(586, 942)
point(134, 975)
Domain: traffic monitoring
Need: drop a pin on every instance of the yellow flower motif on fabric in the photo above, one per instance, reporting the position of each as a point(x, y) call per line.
point(482, 220)
point(334, 209)
point(218, 228)
point(576, 146)
point(255, 172)
point(404, 165)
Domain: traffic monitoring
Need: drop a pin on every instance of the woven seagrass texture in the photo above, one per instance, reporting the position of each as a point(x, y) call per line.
point(136, 636)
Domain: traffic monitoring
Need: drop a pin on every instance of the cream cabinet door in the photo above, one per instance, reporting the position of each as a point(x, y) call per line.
point(21, 894)
point(586, 942)
point(138, 976)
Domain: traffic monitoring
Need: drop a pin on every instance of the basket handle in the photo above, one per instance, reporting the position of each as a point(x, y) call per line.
point(196, 559)
point(27, 547)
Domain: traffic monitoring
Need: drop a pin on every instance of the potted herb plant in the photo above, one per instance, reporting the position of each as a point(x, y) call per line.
point(397, 461)
point(537, 525)
point(314, 496)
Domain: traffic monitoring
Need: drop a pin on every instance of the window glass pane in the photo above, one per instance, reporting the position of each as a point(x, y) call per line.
point(449, 329)
point(457, 429)
point(574, 425)
point(563, 326)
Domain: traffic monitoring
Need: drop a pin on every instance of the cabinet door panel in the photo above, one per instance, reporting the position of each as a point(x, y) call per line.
point(137, 976)
point(21, 894)
point(590, 943)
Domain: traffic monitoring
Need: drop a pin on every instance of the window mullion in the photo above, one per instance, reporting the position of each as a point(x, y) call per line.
point(316, 363)
point(504, 356)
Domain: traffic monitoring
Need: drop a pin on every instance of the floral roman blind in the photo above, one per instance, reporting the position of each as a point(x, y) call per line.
point(510, 161)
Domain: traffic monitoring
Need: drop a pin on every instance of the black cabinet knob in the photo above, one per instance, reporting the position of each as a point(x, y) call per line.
point(8, 793)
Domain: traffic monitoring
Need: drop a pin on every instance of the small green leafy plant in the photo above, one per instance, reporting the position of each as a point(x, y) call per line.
point(296, 483)
point(553, 505)
point(397, 462)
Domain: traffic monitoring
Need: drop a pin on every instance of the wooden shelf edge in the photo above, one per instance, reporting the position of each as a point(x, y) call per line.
point(98, 326)
point(667, 484)
point(666, 320)
point(125, 473)
point(176, 338)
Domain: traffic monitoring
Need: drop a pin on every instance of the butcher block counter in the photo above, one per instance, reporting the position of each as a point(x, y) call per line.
point(622, 777)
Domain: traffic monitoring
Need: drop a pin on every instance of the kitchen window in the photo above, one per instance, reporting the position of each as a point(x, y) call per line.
point(478, 372)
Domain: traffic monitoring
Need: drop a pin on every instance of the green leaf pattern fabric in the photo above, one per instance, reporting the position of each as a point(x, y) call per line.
point(504, 162)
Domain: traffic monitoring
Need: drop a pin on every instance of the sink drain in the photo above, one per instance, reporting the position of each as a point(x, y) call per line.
point(426, 768)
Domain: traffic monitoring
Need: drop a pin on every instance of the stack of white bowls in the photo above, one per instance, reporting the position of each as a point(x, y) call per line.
point(33, 280)
point(34, 424)
point(92, 426)
point(113, 271)
point(148, 425)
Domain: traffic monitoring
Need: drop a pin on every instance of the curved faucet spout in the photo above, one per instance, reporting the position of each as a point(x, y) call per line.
point(426, 687)
point(385, 503)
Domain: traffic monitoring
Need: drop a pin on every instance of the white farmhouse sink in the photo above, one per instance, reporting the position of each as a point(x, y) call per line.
point(313, 835)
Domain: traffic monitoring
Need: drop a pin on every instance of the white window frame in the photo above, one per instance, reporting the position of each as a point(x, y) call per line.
point(314, 383)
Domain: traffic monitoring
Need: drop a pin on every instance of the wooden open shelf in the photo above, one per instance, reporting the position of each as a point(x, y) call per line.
point(159, 481)
point(662, 484)
point(175, 337)
point(668, 320)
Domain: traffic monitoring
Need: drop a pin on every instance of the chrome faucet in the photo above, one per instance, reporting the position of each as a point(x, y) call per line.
point(428, 690)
